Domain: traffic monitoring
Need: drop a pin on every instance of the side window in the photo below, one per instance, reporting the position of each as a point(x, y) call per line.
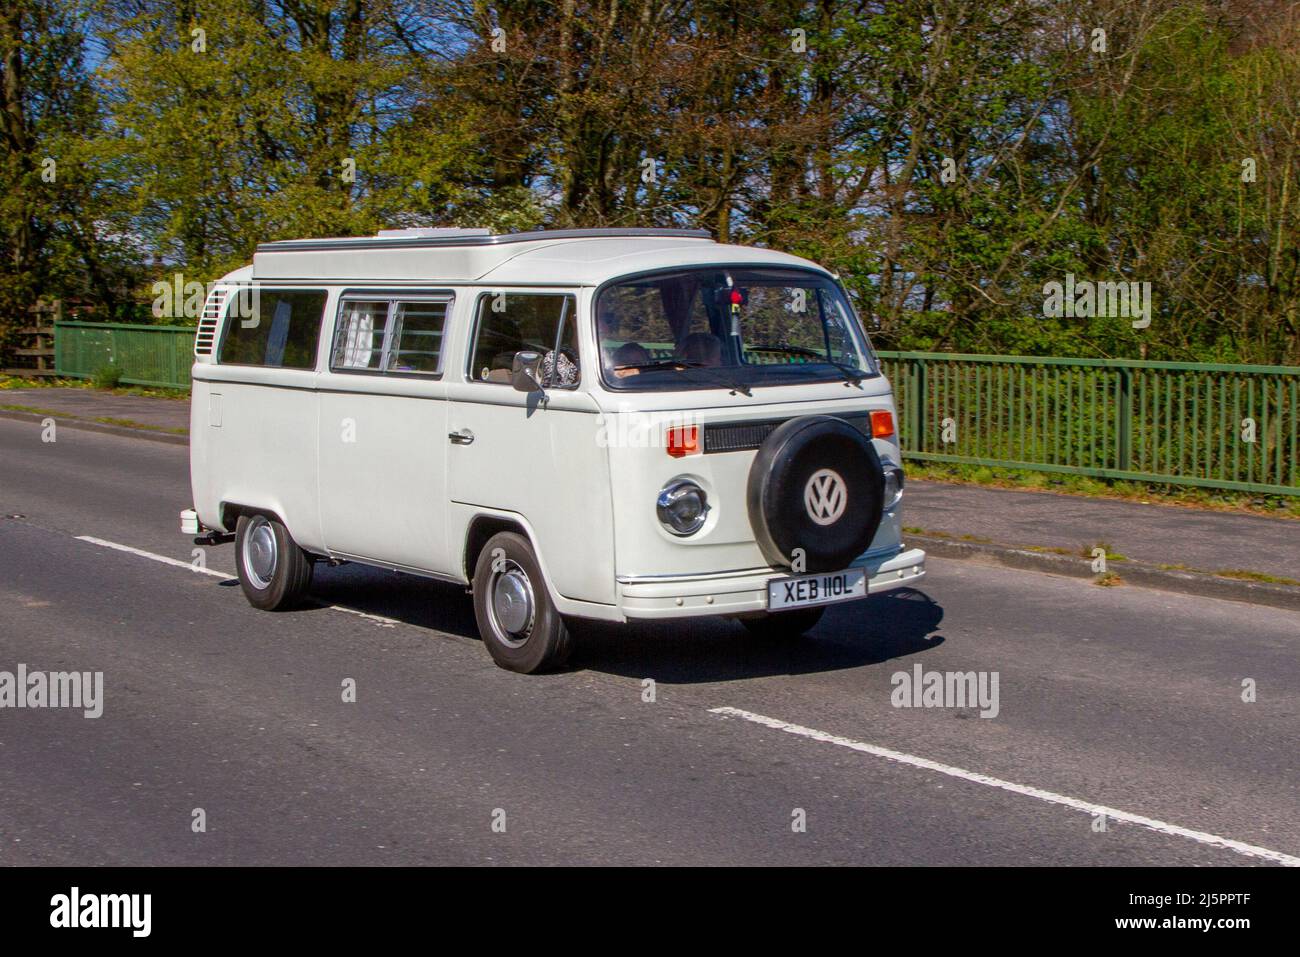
point(518, 322)
point(282, 331)
point(390, 335)
point(359, 342)
point(417, 336)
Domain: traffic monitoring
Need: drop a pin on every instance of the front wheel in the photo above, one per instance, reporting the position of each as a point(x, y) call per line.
point(273, 571)
point(779, 625)
point(519, 624)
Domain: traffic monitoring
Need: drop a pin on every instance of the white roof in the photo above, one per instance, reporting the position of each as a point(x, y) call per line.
point(567, 257)
point(241, 275)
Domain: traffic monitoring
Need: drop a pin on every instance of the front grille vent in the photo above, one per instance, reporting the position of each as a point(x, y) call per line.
point(737, 437)
point(748, 436)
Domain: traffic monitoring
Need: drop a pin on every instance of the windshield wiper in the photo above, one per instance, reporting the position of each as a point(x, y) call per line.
point(852, 374)
point(684, 365)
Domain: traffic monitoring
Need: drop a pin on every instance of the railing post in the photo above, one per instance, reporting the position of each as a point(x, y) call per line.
point(1124, 436)
point(917, 438)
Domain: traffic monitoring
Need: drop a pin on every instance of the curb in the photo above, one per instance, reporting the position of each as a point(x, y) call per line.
point(70, 422)
point(1130, 572)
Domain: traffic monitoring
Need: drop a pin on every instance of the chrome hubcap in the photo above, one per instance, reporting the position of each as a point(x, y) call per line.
point(260, 553)
point(512, 604)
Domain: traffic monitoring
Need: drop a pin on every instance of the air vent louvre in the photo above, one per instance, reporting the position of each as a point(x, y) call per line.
point(205, 339)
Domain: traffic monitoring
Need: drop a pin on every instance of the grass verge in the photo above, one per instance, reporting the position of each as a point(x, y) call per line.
point(132, 424)
point(101, 419)
point(15, 382)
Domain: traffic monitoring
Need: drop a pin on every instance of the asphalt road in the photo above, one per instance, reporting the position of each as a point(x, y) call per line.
point(1122, 698)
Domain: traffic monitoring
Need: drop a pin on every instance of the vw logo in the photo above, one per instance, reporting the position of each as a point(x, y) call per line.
point(825, 496)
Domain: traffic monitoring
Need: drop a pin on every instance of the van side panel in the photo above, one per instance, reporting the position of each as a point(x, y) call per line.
point(545, 463)
point(542, 461)
point(383, 488)
point(262, 454)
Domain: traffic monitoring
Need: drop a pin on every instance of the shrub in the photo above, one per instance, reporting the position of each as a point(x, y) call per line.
point(106, 377)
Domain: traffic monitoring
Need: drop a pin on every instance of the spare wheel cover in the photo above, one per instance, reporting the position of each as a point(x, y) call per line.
point(816, 484)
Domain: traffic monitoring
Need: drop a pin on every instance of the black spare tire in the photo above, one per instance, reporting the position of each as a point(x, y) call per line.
point(816, 484)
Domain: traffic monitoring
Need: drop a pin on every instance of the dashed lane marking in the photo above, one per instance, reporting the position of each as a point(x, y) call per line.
point(379, 620)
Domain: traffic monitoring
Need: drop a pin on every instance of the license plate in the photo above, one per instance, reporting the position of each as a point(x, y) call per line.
point(824, 589)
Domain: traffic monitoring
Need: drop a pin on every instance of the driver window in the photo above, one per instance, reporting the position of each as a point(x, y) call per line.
point(517, 322)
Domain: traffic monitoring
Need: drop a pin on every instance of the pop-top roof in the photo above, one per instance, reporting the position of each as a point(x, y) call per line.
point(434, 237)
point(542, 257)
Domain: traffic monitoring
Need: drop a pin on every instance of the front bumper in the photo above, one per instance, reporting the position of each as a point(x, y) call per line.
point(690, 596)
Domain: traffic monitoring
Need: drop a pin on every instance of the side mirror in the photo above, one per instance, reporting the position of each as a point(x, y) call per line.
point(526, 371)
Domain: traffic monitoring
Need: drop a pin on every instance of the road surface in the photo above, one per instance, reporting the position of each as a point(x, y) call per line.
point(1121, 737)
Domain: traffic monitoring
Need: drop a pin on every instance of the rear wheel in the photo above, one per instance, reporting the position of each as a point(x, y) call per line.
point(273, 571)
point(519, 624)
point(784, 624)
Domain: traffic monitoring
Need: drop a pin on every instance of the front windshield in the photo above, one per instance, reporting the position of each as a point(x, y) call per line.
point(730, 328)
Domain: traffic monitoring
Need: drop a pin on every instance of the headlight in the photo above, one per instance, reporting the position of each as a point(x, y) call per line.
point(682, 507)
point(893, 484)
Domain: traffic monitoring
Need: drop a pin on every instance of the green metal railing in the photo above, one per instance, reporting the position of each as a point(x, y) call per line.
point(1219, 426)
point(147, 355)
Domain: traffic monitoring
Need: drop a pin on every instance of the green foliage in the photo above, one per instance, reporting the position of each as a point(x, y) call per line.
point(946, 158)
point(106, 377)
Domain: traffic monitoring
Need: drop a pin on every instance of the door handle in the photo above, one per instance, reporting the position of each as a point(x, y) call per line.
point(463, 437)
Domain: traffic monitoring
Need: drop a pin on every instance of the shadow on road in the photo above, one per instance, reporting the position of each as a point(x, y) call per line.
point(408, 598)
point(860, 633)
point(893, 625)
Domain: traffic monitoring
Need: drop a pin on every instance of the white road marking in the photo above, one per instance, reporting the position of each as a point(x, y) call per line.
point(1113, 814)
point(379, 620)
point(152, 556)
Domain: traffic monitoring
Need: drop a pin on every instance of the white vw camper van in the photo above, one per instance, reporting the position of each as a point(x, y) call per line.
point(606, 424)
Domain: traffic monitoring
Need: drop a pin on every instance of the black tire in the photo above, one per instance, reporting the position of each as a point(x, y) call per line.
point(273, 571)
point(781, 625)
point(823, 463)
point(518, 622)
